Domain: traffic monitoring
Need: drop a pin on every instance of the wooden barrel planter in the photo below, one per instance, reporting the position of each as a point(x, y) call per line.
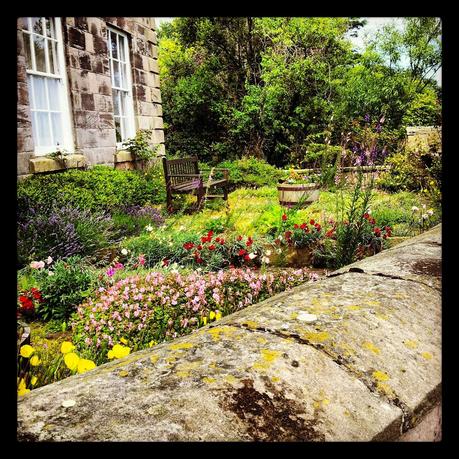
point(292, 194)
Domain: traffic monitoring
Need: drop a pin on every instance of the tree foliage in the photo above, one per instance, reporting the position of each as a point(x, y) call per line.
point(271, 87)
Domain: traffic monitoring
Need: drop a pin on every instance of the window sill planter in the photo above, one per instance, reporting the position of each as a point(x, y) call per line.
point(41, 164)
point(293, 194)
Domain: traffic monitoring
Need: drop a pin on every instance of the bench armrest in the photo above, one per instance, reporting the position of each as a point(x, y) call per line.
point(185, 175)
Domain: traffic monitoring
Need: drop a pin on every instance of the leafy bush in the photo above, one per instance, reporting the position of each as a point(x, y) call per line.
point(100, 188)
point(60, 232)
point(139, 146)
point(252, 173)
point(70, 283)
point(157, 307)
point(131, 220)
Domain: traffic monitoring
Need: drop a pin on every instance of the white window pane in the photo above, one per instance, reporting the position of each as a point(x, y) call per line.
point(116, 74)
point(37, 26)
point(123, 77)
point(56, 121)
point(118, 129)
point(44, 135)
point(54, 93)
point(23, 23)
point(34, 129)
point(116, 104)
point(52, 57)
point(121, 44)
point(39, 92)
point(113, 46)
point(40, 60)
point(28, 56)
point(123, 97)
point(49, 27)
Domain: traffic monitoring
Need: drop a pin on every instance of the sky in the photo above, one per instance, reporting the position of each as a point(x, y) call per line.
point(374, 24)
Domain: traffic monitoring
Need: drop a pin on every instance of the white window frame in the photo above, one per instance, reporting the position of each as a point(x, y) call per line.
point(127, 125)
point(66, 125)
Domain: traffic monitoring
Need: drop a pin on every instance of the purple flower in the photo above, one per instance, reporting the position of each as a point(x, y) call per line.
point(367, 118)
point(110, 271)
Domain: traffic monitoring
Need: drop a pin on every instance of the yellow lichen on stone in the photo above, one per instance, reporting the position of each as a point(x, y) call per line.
point(384, 388)
point(319, 404)
point(231, 379)
point(410, 344)
point(262, 340)
point(176, 347)
point(427, 355)
point(208, 380)
point(154, 358)
point(250, 323)
point(317, 337)
point(380, 375)
point(123, 373)
point(275, 379)
point(371, 347)
point(267, 358)
point(293, 315)
point(373, 303)
point(215, 332)
point(347, 413)
point(382, 316)
point(353, 307)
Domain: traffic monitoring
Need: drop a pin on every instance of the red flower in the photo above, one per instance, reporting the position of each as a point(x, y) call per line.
point(303, 226)
point(222, 241)
point(199, 260)
point(277, 241)
point(312, 222)
point(377, 232)
point(385, 236)
point(365, 216)
point(288, 234)
point(199, 247)
point(188, 245)
point(210, 234)
point(26, 303)
point(329, 233)
point(211, 247)
point(239, 238)
point(372, 221)
point(165, 262)
point(318, 227)
point(296, 226)
point(284, 217)
point(246, 258)
point(203, 239)
point(242, 252)
point(217, 239)
point(249, 242)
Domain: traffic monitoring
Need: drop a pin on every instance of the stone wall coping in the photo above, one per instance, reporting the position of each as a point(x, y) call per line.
point(354, 356)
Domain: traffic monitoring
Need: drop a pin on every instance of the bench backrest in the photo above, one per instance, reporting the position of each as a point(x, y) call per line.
point(180, 166)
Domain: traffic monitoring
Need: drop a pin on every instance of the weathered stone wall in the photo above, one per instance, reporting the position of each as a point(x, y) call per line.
point(420, 136)
point(355, 356)
point(88, 73)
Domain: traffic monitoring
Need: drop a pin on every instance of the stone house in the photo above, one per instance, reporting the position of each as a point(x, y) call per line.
point(85, 85)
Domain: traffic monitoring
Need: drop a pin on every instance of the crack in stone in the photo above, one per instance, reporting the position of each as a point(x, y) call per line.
point(407, 415)
point(390, 276)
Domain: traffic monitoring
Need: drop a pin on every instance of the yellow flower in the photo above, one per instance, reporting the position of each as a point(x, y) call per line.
point(33, 381)
point(218, 316)
point(204, 320)
point(152, 343)
point(212, 315)
point(67, 347)
point(124, 340)
point(71, 360)
point(85, 365)
point(27, 351)
point(35, 361)
point(22, 389)
point(118, 351)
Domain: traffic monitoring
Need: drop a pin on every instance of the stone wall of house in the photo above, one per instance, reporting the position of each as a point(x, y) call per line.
point(422, 136)
point(90, 92)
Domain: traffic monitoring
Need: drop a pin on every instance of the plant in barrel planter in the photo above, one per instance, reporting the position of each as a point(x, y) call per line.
point(298, 190)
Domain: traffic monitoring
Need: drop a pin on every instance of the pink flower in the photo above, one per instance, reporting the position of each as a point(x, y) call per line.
point(37, 264)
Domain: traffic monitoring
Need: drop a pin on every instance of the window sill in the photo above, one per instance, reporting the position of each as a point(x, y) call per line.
point(41, 164)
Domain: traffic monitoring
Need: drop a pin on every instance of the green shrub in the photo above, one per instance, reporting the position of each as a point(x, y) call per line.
point(99, 188)
point(252, 173)
point(71, 282)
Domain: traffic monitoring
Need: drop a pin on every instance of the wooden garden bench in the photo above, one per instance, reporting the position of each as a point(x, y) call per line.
point(183, 176)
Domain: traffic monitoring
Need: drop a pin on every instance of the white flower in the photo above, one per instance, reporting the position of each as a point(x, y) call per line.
point(252, 256)
point(415, 209)
point(268, 253)
point(425, 216)
point(50, 273)
point(423, 206)
point(280, 238)
point(430, 212)
point(265, 260)
point(124, 252)
point(49, 260)
point(369, 211)
point(149, 228)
